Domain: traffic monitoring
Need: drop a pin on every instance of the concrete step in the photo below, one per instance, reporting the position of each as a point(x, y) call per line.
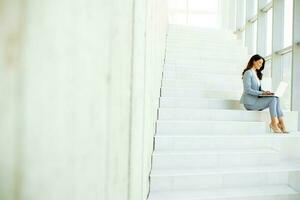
point(210, 55)
point(207, 55)
point(188, 76)
point(220, 158)
point(183, 114)
point(203, 41)
point(176, 47)
point(224, 177)
point(207, 64)
point(194, 29)
point(199, 103)
point(213, 84)
point(194, 71)
point(209, 141)
point(177, 127)
point(269, 192)
point(201, 93)
point(236, 51)
point(204, 59)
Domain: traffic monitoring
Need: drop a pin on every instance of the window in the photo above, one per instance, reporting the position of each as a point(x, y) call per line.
point(288, 22)
point(194, 12)
point(254, 38)
point(269, 31)
point(287, 77)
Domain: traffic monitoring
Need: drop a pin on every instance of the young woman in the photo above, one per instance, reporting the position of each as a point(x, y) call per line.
point(252, 75)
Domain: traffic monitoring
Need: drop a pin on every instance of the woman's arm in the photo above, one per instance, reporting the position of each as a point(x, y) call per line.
point(247, 85)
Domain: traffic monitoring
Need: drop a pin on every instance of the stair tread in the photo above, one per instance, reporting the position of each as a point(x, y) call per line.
point(266, 135)
point(223, 193)
point(214, 151)
point(283, 166)
point(222, 110)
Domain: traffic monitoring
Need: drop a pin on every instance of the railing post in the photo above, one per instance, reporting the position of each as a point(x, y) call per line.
point(261, 29)
point(249, 30)
point(277, 41)
point(240, 17)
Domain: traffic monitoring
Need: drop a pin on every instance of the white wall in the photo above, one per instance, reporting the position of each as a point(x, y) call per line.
point(10, 36)
point(89, 78)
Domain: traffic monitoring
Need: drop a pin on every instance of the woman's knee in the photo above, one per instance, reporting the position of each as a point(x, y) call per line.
point(273, 100)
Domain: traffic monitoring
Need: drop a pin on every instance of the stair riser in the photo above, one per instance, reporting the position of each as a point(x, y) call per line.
point(210, 127)
point(291, 118)
point(197, 93)
point(208, 52)
point(199, 48)
point(195, 71)
point(237, 51)
point(202, 62)
point(253, 197)
point(203, 84)
point(196, 182)
point(213, 161)
point(168, 102)
point(195, 35)
point(211, 143)
point(212, 77)
point(185, 74)
point(196, 56)
point(212, 63)
point(203, 42)
point(200, 59)
point(275, 197)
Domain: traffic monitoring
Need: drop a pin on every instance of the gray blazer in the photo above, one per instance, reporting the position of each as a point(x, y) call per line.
point(251, 89)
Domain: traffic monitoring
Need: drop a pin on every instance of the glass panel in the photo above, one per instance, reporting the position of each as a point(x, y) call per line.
point(252, 10)
point(254, 41)
point(287, 77)
point(288, 22)
point(267, 81)
point(269, 31)
point(268, 69)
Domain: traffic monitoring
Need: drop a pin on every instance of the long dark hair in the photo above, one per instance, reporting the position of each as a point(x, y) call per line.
point(250, 65)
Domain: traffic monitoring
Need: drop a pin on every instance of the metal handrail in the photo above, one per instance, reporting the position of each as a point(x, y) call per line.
point(268, 58)
point(252, 19)
point(267, 7)
point(284, 50)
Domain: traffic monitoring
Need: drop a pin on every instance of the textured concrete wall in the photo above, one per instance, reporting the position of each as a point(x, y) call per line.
point(83, 98)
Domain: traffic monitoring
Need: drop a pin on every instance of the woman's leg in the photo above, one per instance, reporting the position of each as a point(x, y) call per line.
point(263, 103)
point(278, 108)
point(281, 123)
point(267, 102)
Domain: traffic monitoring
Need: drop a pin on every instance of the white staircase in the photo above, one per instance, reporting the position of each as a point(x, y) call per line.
point(207, 146)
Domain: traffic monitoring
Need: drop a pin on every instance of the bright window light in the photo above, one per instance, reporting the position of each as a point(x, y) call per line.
point(288, 22)
point(200, 13)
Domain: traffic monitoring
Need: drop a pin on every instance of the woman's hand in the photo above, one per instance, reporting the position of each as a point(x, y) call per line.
point(267, 93)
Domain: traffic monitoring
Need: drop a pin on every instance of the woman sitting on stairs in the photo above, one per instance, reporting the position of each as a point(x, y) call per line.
point(252, 75)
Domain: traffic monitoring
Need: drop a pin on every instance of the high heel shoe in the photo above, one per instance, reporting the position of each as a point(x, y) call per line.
point(274, 128)
point(283, 130)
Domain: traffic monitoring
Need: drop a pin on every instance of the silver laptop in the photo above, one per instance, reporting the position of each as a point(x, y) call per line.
point(280, 90)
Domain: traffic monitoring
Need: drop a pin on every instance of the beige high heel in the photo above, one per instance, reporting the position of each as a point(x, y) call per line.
point(274, 128)
point(282, 130)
